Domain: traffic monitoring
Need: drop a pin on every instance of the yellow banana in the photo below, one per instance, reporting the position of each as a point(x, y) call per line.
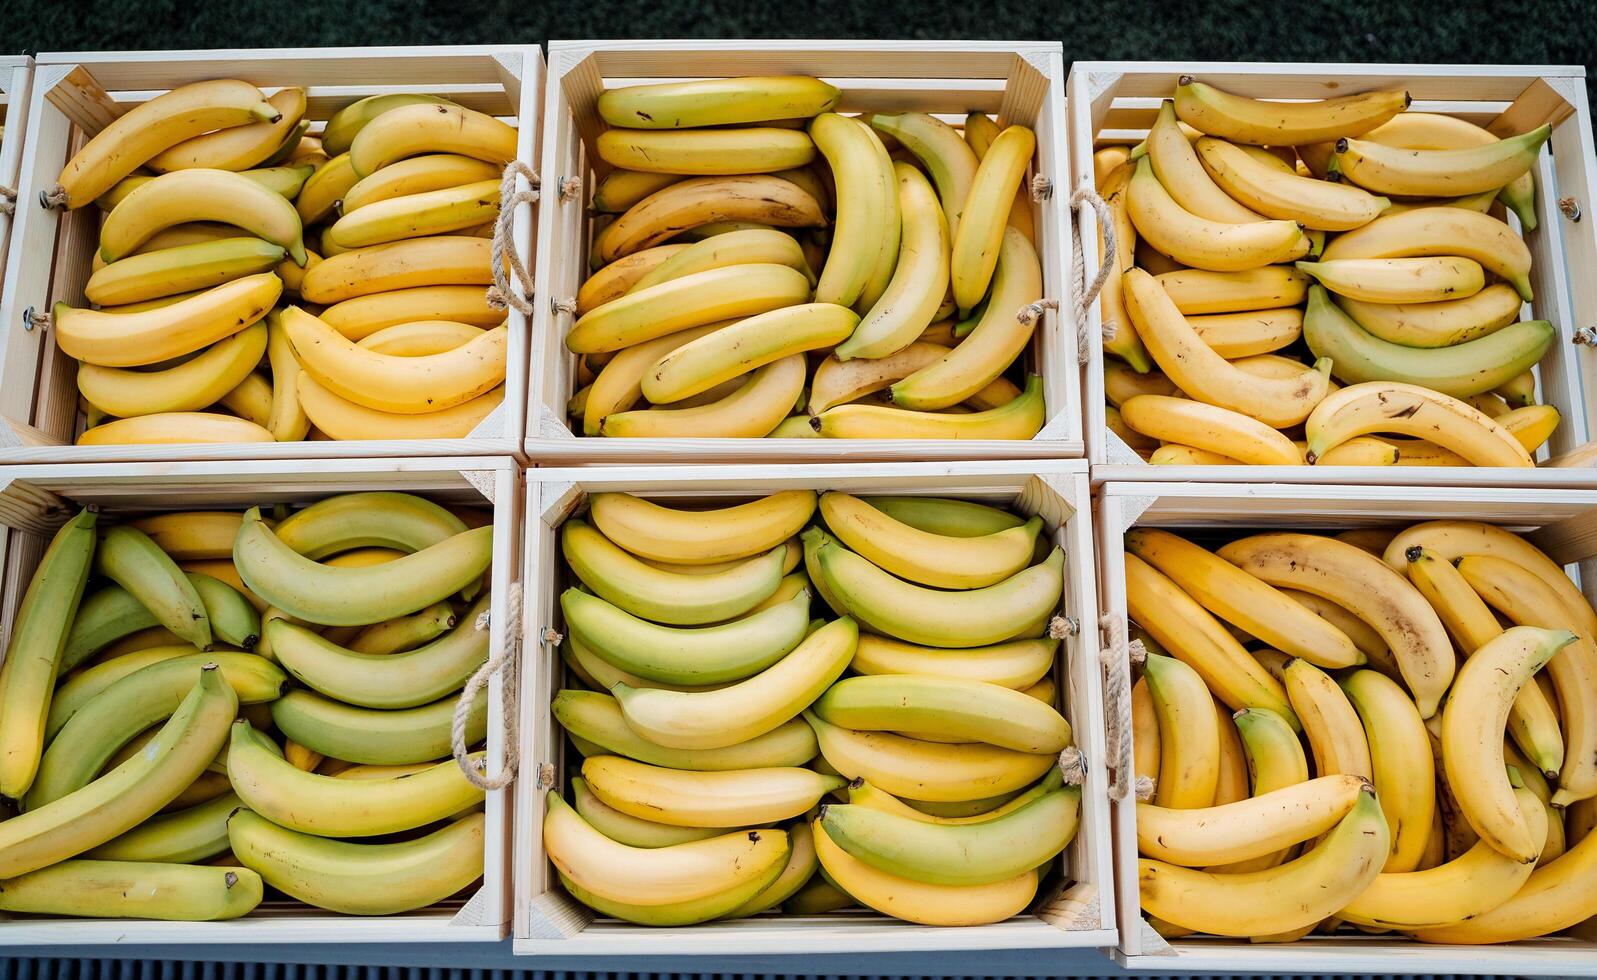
point(182, 269)
point(716, 101)
point(945, 708)
point(1336, 736)
point(866, 198)
point(339, 418)
point(597, 720)
point(949, 160)
point(701, 537)
point(1412, 280)
point(436, 261)
point(619, 277)
point(745, 247)
point(619, 190)
point(740, 150)
point(1276, 761)
point(325, 188)
point(1249, 828)
point(623, 828)
point(1203, 243)
point(1313, 203)
point(1191, 181)
point(926, 558)
point(619, 385)
point(1437, 173)
point(683, 798)
point(114, 889)
point(1189, 736)
point(1440, 324)
point(693, 300)
point(1021, 417)
point(881, 270)
point(838, 382)
point(930, 771)
point(200, 195)
point(1441, 232)
point(1235, 335)
point(174, 427)
point(1269, 123)
point(417, 175)
point(164, 121)
point(414, 216)
point(193, 385)
point(412, 130)
point(285, 180)
point(344, 124)
point(236, 147)
point(702, 200)
point(363, 315)
point(1202, 291)
point(1147, 752)
point(1404, 409)
point(980, 234)
point(152, 336)
point(735, 350)
point(1400, 755)
point(913, 295)
point(286, 419)
point(1209, 427)
point(1017, 664)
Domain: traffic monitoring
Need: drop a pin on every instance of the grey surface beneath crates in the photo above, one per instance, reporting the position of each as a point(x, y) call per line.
point(128, 969)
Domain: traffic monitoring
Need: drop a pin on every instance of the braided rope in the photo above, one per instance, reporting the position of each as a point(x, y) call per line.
point(500, 295)
point(1073, 766)
point(570, 189)
point(1116, 661)
point(8, 201)
point(54, 199)
point(1086, 294)
point(507, 663)
point(1042, 188)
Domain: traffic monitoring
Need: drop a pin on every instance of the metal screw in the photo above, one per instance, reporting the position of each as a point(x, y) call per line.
point(1585, 337)
point(1570, 207)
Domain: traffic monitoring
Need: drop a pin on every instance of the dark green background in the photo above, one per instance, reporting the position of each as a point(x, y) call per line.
point(1510, 31)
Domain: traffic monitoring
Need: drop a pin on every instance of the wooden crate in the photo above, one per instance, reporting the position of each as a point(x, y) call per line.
point(548, 922)
point(1019, 82)
point(36, 500)
point(1115, 102)
point(1561, 522)
point(76, 94)
point(16, 76)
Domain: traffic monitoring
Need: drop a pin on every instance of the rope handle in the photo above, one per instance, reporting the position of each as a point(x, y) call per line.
point(506, 663)
point(500, 295)
point(8, 200)
point(1117, 657)
point(1086, 294)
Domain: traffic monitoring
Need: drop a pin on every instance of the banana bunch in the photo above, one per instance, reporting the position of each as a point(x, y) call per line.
point(1325, 283)
point(713, 716)
point(173, 692)
point(210, 195)
point(773, 268)
point(1386, 728)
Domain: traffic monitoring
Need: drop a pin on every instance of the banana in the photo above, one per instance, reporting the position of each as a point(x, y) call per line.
point(433, 172)
point(1472, 726)
point(741, 150)
point(1010, 609)
point(1437, 173)
point(1121, 383)
point(374, 519)
point(1453, 893)
point(200, 195)
point(114, 716)
point(1235, 335)
point(236, 147)
point(800, 868)
point(979, 236)
point(946, 515)
point(926, 558)
point(420, 338)
point(623, 828)
point(701, 537)
point(1243, 600)
point(838, 382)
point(1268, 123)
point(188, 387)
point(1191, 182)
point(619, 385)
point(716, 102)
point(689, 301)
point(1146, 749)
point(703, 200)
point(412, 130)
point(948, 159)
point(881, 270)
point(914, 293)
point(1120, 334)
point(405, 633)
point(1315, 204)
point(38, 641)
point(1189, 738)
point(1276, 761)
point(1275, 900)
point(338, 418)
point(1201, 242)
point(1405, 779)
point(128, 557)
point(744, 711)
point(395, 384)
point(325, 188)
point(286, 180)
point(174, 427)
point(363, 735)
point(356, 596)
point(1336, 735)
point(1249, 828)
point(1188, 631)
point(1441, 232)
point(1021, 417)
point(151, 127)
point(344, 124)
point(959, 710)
point(1356, 580)
point(1196, 291)
point(705, 655)
point(1017, 664)
point(1522, 595)
point(436, 261)
point(922, 902)
point(118, 889)
point(684, 798)
point(359, 317)
point(417, 215)
point(862, 793)
point(1433, 131)
point(747, 247)
point(182, 269)
point(133, 791)
point(112, 613)
point(186, 535)
point(156, 335)
point(619, 190)
point(1195, 368)
point(866, 199)
point(329, 807)
point(1472, 367)
point(361, 879)
point(1405, 409)
point(1000, 336)
point(735, 350)
point(287, 420)
point(1209, 427)
point(597, 719)
point(1411, 280)
point(181, 836)
point(930, 771)
point(250, 399)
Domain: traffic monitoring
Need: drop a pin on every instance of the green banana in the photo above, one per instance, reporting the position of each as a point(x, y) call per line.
point(678, 913)
point(944, 707)
point(366, 735)
point(134, 890)
point(129, 794)
point(361, 879)
point(374, 519)
point(332, 596)
point(1470, 368)
point(1016, 607)
point(27, 676)
point(406, 632)
point(112, 613)
point(330, 807)
point(624, 828)
point(83, 686)
point(599, 675)
point(661, 596)
point(373, 680)
point(128, 557)
point(597, 719)
point(958, 854)
point(942, 515)
point(801, 866)
point(706, 655)
point(181, 837)
point(124, 709)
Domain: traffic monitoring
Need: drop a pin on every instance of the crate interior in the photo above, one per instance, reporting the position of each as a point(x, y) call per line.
point(559, 924)
point(30, 512)
point(1013, 84)
point(77, 95)
point(1119, 101)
